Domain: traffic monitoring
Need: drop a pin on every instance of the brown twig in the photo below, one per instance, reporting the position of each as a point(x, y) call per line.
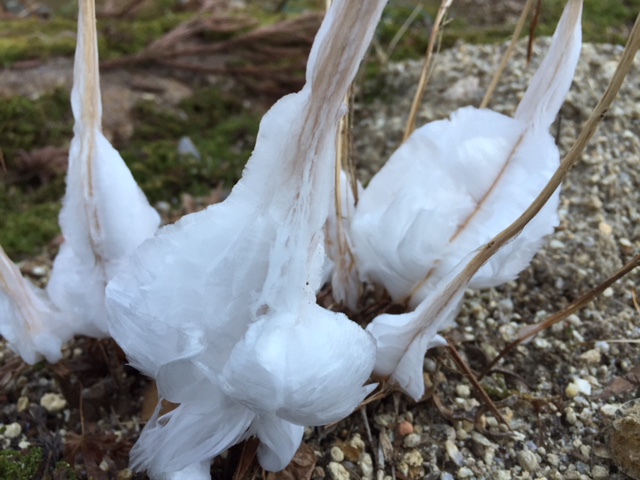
point(464, 368)
point(426, 69)
point(532, 30)
point(507, 55)
point(557, 317)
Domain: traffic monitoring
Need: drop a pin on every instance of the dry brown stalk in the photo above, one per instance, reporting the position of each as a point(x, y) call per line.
point(559, 316)
point(426, 69)
point(507, 55)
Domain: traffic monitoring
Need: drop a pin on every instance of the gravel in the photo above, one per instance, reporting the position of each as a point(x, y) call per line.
point(563, 421)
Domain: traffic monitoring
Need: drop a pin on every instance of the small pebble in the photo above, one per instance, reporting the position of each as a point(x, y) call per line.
point(405, 428)
point(591, 357)
point(465, 472)
point(578, 386)
point(413, 458)
point(571, 416)
point(22, 405)
point(502, 475)
point(12, 430)
point(609, 409)
point(53, 402)
point(412, 440)
point(337, 471)
point(357, 443)
point(527, 460)
point(463, 391)
point(39, 271)
point(553, 459)
point(126, 474)
point(337, 455)
point(605, 228)
point(366, 466)
point(556, 244)
point(384, 420)
point(453, 452)
point(598, 472)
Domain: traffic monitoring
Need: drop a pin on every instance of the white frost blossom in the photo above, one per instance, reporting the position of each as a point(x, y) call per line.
point(220, 308)
point(446, 192)
point(104, 217)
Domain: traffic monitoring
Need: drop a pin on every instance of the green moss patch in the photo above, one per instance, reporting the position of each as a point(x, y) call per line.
point(222, 130)
point(30, 464)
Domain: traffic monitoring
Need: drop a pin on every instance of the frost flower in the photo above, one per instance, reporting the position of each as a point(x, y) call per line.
point(104, 217)
point(447, 191)
point(220, 308)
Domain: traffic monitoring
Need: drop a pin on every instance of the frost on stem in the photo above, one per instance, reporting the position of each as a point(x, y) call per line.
point(220, 308)
point(449, 190)
point(104, 217)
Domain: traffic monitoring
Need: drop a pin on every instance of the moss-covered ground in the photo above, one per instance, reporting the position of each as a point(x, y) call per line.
point(218, 123)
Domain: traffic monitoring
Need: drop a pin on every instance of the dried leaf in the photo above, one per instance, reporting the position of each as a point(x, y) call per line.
point(624, 384)
point(300, 468)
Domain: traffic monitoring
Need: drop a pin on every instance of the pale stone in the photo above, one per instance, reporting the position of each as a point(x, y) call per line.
point(53, 402)
point(591, 357)
point(337, 455)
point(528, 461)
point(12, 430)
point(337, 471)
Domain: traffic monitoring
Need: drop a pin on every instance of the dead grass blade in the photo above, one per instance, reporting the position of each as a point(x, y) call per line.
point(426, 69)
point(269, 60)
point(402, 30)
point(557, 317)
point(532, 30)
point(623, 384)
point(507, 55)
point(464, 368)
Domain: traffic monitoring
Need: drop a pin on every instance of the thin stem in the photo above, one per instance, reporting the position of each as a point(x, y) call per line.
point(426, 70)
point(557, 317)
point(507, 55)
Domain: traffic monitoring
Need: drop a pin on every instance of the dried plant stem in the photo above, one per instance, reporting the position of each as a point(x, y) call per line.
point(507, 55)
point(557, 317)
point(462, 365)
point(402, 30)
point(426, 69)
point(599, 112)
point(342, 159)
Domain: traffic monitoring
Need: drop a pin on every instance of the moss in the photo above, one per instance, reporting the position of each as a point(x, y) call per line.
point(24, 231)
point(604, 21)
point(30, 464)
point(126, 37)
point(20, 465)
point(28, 212)
point(29, 217)
point(222, 131)
point(30, 38)
point(26, 124)
point(24, 39)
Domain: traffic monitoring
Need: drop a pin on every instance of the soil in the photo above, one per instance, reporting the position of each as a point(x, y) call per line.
point(567, 396)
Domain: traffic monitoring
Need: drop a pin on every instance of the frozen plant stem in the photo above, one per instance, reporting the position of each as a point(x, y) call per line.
point(104, 216)
point(221, 307)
